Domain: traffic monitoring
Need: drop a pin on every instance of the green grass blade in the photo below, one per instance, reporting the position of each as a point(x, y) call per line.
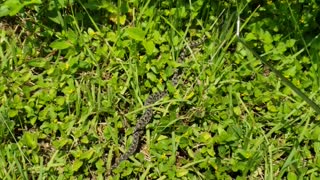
point(283, 79)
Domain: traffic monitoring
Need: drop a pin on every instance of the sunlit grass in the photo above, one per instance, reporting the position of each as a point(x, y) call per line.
point(79, 86)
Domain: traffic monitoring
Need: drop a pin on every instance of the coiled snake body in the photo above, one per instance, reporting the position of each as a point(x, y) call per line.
point(147, 115)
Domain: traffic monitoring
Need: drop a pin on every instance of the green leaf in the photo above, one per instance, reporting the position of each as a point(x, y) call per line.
point(68, 90)
point(315, 135)
point(73, 61)
point(149, 46)
point(76, 165)
point(182, 172)
point(60, 143)
point(60, 100)
point(281, 47)
point(127, 171)
point(135, 33)
point(250, 36)
point(29, 111)
point(91, 32)
point(205, 136)
point(291, 72)
point(60, 44)
point(10, 7)
point(267, 38)
point(162, 137)
point(100, 165)
point(292, 176)
point(271, 107)
point(183, 142)
point(290, 43)
point(211, 152)
point(30, 140)
point(85, 140)
point(4, 10)
point(111, 36)
point(12, 112)
point(244, 153)
point(237, 110)
point(267, 47)
point(109, 6)
point(87, 155)
point(39, 62)
point(122, 19)
point(152, 77)
point(190, 152)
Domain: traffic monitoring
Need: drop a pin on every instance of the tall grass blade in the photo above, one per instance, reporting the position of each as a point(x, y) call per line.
point(283, 79)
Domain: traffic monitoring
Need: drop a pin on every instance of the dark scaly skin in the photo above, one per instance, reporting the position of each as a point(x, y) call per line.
point(147, 115)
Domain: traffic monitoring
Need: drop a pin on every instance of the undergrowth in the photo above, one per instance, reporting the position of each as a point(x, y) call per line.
point(75, 75)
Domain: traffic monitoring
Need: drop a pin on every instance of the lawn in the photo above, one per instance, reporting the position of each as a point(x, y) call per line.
point(75, 77)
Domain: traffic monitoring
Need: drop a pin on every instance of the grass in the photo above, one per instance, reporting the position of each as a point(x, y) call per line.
point(74, 78)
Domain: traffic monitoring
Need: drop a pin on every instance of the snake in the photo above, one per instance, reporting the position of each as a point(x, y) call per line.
point(146, 117)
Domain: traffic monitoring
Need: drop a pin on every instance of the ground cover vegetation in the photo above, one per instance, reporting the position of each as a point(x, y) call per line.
point(75, 76)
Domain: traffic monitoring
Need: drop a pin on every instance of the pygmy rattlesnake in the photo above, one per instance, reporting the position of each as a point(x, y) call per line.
point(147, 115)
